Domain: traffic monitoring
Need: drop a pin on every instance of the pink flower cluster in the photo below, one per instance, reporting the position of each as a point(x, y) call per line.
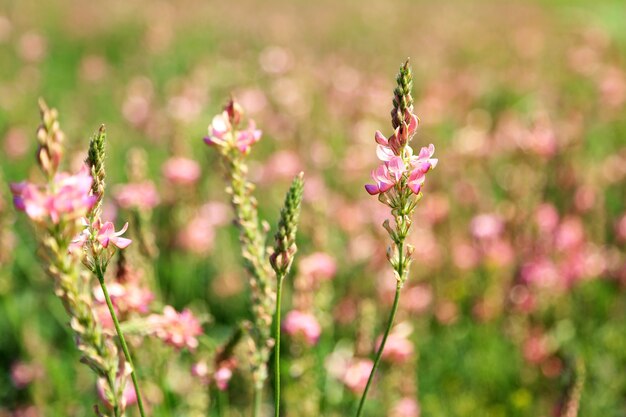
point(222, 133)
point(176, 329)
point(66, 198)
point(318, 267)
point(398, 160)
point(302, 324)
point(563, 255)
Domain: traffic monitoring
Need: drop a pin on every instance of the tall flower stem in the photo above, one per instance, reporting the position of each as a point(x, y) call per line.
point(279, 287)
point(392, 316)
point(100, 275)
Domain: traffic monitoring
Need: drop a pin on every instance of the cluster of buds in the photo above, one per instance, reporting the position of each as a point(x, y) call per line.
point(50, 138)
point(285, 248)
point(399, 179)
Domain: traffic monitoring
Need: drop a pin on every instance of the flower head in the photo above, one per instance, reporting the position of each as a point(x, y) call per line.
point(66, 198)
point(224, 130)
point(176, 329)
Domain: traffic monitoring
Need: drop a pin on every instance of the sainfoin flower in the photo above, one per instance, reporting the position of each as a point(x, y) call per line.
point(223, 131)
point(297, 323)
point(318, 266)
point(176, 329)
point(66, 198)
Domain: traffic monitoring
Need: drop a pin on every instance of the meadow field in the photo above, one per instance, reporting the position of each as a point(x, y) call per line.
point(514, 303)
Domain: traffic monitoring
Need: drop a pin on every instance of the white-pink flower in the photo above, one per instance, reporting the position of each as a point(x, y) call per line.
point(356, 374)
point(318, 266)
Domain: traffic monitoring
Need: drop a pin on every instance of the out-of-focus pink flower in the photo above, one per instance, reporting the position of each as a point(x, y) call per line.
point(141, 196)
point(486, 226)
point(199, 234)
point(319, 266)
point(126, 296)
point(107, 234)
point(417, 299)
point(398, 348)
point(201, 371)
point(570, 234)
point(181, 170)
point(22, 374)
point(406, 407)
point(382, 181)
point(464, 255)
point(222, 377)
point(356, 374)
point(298, 323)
point(176, 329)
point(540, 272)
point(547, 218)
point(67, 198)
point(16, 143)
point(129, 397)
point(535, 348)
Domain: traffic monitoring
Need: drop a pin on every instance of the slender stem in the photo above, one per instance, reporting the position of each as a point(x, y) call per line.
point(120, 335)
point(258, 400)
point(392, 316)
point(279, 287)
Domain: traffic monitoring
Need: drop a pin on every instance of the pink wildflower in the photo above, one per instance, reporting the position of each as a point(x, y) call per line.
point(176, 329)
point(486, 226)
point(382, 179)
point(142, 196)
point(107, 234)
point(222, 376)
point(356, 374)
point(406, 407)
point(398, 348)
point(67, 198)
point(319, 266)
point(182, 171)
point(297, 323)
point(221, 131)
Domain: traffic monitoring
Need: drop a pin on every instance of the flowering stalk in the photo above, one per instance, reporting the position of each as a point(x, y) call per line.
point(281, 260)
point(101, 241)
point(234, 143)
point(398, 182)
point(55, 210)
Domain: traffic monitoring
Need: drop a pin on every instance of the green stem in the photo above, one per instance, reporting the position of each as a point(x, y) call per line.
point(258, 400)
point(277, 347)
point(392, 316)
point(100, 274)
